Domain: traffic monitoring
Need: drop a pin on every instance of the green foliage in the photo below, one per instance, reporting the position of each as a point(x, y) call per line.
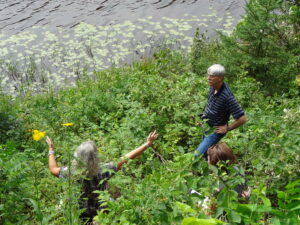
point(195, 221)
point(11, 127)
point(203, 53)
point(198, 47)
point(289, 204)
point(265, 44)
point(117, 110)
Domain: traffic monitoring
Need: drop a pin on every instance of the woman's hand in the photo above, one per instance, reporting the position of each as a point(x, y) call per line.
point(50, 144)
point(152, 137)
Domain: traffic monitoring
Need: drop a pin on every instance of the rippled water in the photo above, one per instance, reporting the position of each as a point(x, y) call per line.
point(17, 16)
point(56, 42)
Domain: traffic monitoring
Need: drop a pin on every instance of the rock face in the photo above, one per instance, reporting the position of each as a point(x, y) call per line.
point(17, 16)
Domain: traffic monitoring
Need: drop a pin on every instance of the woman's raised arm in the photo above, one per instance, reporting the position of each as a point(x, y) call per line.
point(138, 151)
point(54, 169)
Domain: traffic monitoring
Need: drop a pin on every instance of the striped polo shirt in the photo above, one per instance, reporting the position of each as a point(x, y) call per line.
point(221, 105)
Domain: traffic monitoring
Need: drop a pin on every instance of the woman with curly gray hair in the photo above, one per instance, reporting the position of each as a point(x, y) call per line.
point(95, 174)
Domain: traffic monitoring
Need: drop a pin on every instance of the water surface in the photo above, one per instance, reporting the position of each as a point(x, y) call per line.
point(54, 43)
point(17, 16)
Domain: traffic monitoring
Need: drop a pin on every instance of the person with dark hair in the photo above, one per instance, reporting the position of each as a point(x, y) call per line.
point(95, 175)
point(221, 152)
point(221, 104)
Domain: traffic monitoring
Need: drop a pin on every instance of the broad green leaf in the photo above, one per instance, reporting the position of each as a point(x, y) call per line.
point(295, 208)
point(196, 221)
point(185, 208)
point(265, 200)
point(214, 169)
point(276, 221)
point(292, 184)
point(235, 217)
point(281, 194)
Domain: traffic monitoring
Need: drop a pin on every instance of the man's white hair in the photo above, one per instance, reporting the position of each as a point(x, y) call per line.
point(216, 70)
point(86, 157)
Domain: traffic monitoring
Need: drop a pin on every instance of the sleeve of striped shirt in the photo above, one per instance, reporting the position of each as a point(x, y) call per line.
point(234, 108)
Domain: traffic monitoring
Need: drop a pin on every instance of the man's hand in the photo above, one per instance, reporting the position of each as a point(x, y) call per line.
point(221, 129)
point(152, 137)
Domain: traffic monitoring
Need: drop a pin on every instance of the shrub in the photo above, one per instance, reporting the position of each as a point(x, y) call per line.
point(263, 44)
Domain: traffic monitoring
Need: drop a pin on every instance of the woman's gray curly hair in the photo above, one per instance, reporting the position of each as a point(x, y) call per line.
point(86, 158)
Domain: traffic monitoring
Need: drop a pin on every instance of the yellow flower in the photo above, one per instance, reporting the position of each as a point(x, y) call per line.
point(298, 80)
point(38, 135)
point(67, 124)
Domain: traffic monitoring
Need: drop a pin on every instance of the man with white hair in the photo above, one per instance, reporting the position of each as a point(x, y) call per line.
point(221, 104)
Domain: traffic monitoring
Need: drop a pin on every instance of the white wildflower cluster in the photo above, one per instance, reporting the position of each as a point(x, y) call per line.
point(42, 59)
point(291, 114)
